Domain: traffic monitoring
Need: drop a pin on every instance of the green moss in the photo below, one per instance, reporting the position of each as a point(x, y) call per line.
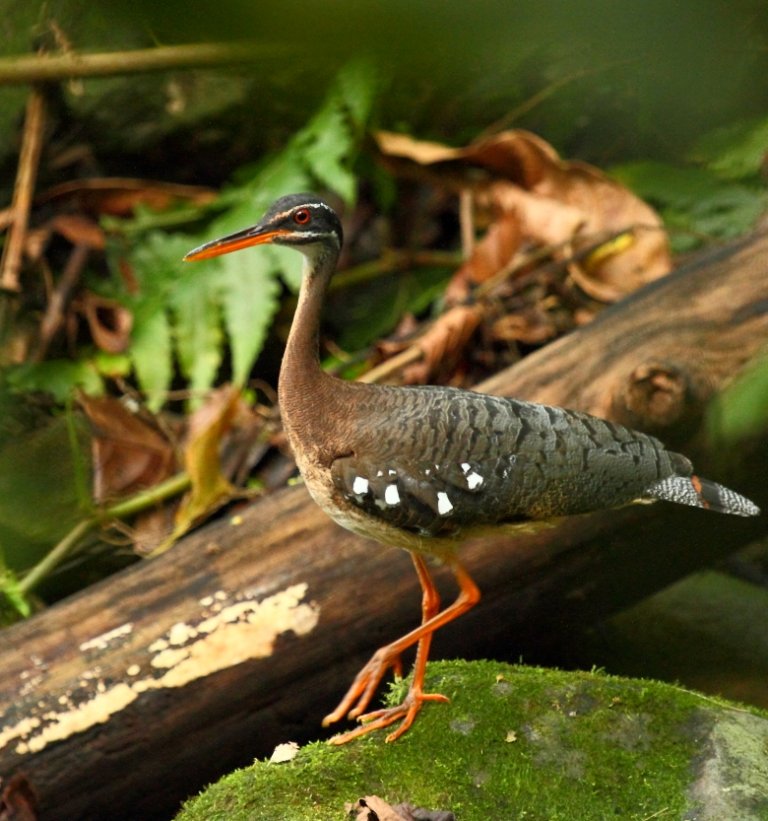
point(515, 742)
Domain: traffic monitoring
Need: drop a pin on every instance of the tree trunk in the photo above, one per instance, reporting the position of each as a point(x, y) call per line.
point(126, 698)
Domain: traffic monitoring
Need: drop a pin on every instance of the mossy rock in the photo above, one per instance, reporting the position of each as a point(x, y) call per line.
point(526, 743)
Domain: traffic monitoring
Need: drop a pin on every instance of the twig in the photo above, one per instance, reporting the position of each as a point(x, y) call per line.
point(542, 95)
point(54, 312)
point(23, 191)
point(407, 357)
point(128, 507)
point(467, 222)
point(390, 261)
point(57, 67)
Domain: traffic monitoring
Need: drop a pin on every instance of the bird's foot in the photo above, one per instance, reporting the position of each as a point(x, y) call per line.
point(363, 688)
point(377, 719)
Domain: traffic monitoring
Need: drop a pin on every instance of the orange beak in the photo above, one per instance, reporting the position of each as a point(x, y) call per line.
point(234, 242)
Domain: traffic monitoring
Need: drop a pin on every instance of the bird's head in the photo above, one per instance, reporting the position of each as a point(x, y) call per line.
point(302, 221)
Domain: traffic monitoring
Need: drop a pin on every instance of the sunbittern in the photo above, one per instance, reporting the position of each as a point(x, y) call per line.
point(423, 467)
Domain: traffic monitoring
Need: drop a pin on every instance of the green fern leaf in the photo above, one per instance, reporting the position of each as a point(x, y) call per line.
point(197, 312)
point(152, 355)
point(198, 333)
point(249, 299)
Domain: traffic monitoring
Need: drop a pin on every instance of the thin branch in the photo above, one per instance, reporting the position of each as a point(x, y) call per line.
point(56, 556)
point(128, 507)
point(394, 364)
point(23, 191)
point(57, 67)
point(543, 94)
point(54, 312)
point(392, 261)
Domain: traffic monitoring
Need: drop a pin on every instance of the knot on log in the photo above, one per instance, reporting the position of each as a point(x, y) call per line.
point(658, 395)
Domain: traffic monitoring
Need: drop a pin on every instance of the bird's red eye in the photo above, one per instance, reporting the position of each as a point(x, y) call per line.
point(302, 216)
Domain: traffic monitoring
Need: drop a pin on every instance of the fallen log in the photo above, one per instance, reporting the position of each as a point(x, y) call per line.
point(135, 693)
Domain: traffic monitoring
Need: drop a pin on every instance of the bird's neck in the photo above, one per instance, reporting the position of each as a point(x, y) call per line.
point(301, 360)
point(306, 393)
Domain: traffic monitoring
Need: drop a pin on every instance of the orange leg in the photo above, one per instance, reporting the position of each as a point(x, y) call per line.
point(368, 679)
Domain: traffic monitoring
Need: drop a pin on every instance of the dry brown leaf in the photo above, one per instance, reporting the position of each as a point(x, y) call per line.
point(210, 489)
point(424, 152)
point(520, 156)
point(17, 800)
point(118, 196)
point(128, 454)
point(152, 528)
point(542, 220)
point(373, 808)
point(79, 230)
point(557, 202)
point(75, 228)
point(444, 341)
point(492, 254)
point(611, 209)
point(532, 326)
point(110, 322)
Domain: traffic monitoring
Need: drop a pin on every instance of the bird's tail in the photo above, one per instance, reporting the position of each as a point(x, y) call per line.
point(698, 492)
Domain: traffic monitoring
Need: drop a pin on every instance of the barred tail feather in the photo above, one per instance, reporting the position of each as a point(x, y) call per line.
point(698, 492)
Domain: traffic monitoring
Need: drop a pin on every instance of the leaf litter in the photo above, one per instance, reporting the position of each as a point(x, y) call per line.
point(560, 240)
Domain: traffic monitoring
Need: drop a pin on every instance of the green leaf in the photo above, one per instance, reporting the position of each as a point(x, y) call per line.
point(157, 267)
point(667, 184)
point(152, 355)
point(40, 487)
point(249, 294)
point(357, 82)
point(10, 590)
point(326, 141)
point(112, 364)
point(741, 411)
point(409, 292)
point(694, 200)
point(59, 377)
point(197, 326)
point(195, 312)
point(736, 152)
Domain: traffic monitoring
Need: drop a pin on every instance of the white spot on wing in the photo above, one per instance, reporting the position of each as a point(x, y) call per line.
point(474, 480)
point(444, 506)
point(391, 495)
point(360, 486)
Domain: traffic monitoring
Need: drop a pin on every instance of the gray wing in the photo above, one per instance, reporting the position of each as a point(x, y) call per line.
point(459, 458)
